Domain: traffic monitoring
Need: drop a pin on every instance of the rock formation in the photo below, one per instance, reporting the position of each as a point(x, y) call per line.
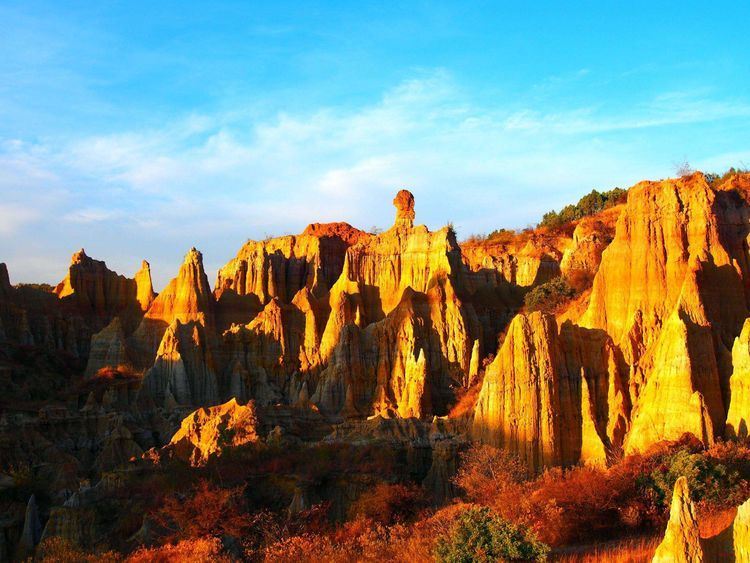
point(94, 288)
point(519, 404)
point(741, 533)
point(681, 543)
point(280, 267)
point(209, 431)
point(144, 289)
point(107, 348)
point(186, 298)
point(184, 368)
point(32, 530)
point(738, 416)
point(682, 392)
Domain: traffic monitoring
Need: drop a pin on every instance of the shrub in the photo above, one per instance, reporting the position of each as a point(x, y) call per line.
point(480, 535)
point(549, 296)
point(387, 503)
point(714, 180)
point(709, 480)
point(206, 511)
point(485, 471)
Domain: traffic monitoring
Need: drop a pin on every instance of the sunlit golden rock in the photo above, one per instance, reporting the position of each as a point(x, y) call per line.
point(681, 543)
point(186, 298)
point(209, 431)
point(738, 417)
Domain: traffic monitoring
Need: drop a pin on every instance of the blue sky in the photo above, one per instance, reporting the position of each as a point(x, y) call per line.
point(139, 129)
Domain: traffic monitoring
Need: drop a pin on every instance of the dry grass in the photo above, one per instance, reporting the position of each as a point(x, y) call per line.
point(634, 550)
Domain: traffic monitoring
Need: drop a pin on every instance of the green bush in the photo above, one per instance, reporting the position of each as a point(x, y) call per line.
point(708, 479)
point(590, 204)
point(479, 535)
point(549, 296)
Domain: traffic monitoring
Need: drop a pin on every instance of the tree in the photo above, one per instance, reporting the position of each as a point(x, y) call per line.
point(485, 471)
point(683, 169)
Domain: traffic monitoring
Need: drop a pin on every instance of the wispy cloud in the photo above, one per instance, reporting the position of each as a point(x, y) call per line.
point(214, 179)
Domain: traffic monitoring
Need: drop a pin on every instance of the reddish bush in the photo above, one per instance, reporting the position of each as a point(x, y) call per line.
point(485, 473)
point(388, 503)
point(206, 511)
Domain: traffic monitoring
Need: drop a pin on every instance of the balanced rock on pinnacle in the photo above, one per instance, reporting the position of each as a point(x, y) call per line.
point(404, 202)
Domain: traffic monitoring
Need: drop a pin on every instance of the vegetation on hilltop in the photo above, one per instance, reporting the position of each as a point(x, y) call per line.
point(715, 179)
point(590, 204)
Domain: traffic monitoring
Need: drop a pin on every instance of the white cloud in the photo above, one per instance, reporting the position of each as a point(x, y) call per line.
point(90, 215)
point(12, 217)
point(214, 180)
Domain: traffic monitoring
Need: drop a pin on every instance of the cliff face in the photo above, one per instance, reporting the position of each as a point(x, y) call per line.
point(554, 397)
point(520, 260)
point(670, 291)
point(187, 298)
point(280, 267)
point(668, 300)
point(665, 226)
point(95, 290)
point(184, 370)
point(520, 399)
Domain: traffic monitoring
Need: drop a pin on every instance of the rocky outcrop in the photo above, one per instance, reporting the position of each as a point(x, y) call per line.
point(404, 364)
point(681, 543)
point(682, 392)
point(184, 369)
point(209, 431)
point(108, 348)
point(521, 259)
point(553, 398)
point(399, 335)
point(280, 267)
point(664, 229)
point(590, 237)
point(519, 403)
point(144, 289)
point(118, 449)
point(670, 292)
point(283, 340)
point(404, 203)
point(187, 298)
point(738, 417)
point(32, 531)
point(95, 290)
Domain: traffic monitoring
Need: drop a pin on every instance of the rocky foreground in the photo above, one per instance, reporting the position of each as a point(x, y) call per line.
point(406, 339)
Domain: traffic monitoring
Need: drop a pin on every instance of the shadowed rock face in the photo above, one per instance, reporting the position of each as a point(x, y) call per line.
point(85, 302)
